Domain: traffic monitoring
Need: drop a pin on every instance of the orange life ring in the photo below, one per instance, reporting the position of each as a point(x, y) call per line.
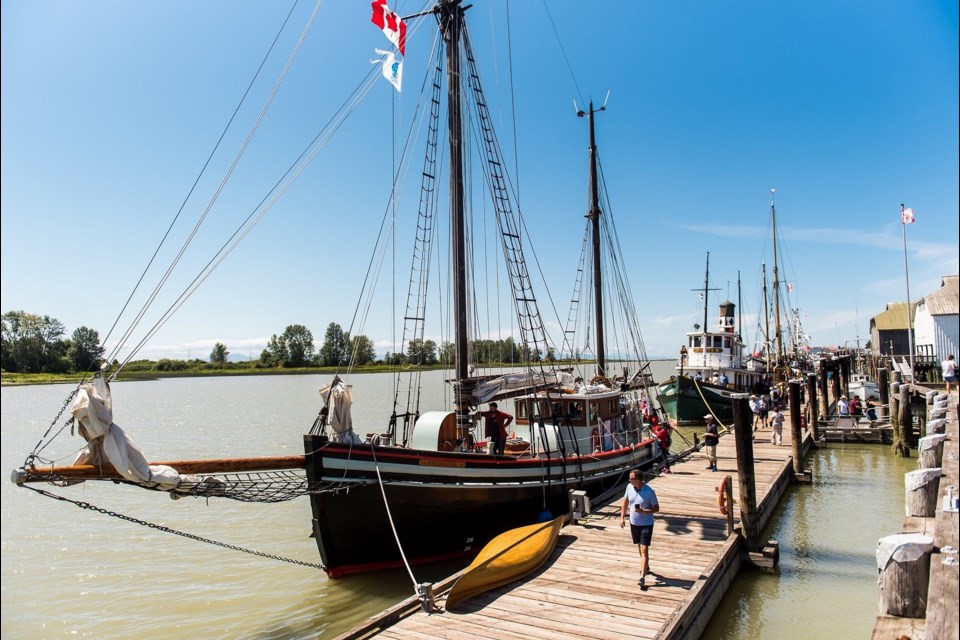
point(722, 495)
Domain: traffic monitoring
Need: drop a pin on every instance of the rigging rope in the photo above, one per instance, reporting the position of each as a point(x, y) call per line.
point(165, 529)
point(396, 536)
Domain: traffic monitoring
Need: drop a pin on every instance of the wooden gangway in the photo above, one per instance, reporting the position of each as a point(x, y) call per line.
point(588, 587)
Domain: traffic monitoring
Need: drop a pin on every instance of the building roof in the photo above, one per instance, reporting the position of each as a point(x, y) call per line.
point(946, 300)
point(894, 317)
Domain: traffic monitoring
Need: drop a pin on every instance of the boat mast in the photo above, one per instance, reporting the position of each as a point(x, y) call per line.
point(451, 19)
point(706, 292)
point(776, 280)
point(594, 217)
point(766, 317)
point(739, 308)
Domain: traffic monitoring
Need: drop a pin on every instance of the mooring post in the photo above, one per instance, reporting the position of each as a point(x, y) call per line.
point(824, 392)
point(812, 405)
point(836, 387)
point(884, 384)
point(906, 415)
point(743, 436)
point(895, 413)
point(796, 432)
point(845, 375)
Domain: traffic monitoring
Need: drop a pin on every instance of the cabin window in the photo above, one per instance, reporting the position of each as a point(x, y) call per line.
point(522, 410)
point(695, 341)
point(726, 343)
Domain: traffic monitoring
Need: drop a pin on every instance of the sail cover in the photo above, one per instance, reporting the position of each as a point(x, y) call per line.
point(513, 382)
point(339, 399)
point(106, 441)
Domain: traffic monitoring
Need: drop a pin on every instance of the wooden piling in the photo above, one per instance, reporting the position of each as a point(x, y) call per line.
point(836, 387)
point(845, 375)
point(883, 411)
point(905, 414)
point(824, 393)
point(796, 431)
point(743, 437)
point(812, 405)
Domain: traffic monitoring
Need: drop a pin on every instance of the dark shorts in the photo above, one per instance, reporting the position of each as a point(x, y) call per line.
point(642, 534)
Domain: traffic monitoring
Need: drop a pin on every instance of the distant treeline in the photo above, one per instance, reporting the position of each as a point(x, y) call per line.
point(33, 344)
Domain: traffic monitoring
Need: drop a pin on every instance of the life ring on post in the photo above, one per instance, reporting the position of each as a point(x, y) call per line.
point(722, 495)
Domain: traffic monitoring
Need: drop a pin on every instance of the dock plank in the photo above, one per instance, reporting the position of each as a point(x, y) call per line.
point(588, 587)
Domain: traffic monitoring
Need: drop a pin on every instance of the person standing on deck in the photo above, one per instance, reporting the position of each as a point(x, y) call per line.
point(855, 408)
point(763, 408)
point(496, 427)
point(711, 438)
point(723, 380)
point(641, 500)
point(949, 370)
point(843, 406)
point(663, 438)
point(776, 438)
point(755, 409)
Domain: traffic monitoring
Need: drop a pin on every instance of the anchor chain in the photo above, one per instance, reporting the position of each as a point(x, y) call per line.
point(165, 529)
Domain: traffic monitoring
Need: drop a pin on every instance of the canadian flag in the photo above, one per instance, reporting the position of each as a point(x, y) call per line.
point(393, 27)
point(906, 215)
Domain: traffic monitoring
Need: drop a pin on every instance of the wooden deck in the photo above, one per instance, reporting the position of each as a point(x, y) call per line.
point(588, 587)
point(942, 595)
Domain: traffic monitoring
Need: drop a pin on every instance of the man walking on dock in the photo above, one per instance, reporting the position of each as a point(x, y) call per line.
point(711, 438)
point(776, 438)
point(641, 500)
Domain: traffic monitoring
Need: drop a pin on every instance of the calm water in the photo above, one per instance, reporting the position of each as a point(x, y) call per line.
point(68, 572)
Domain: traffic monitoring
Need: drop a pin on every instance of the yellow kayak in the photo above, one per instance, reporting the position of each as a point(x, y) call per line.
point(508, 557)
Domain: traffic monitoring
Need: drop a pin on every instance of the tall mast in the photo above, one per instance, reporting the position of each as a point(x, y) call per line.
point(594, 217)
point(706, 291)
point(451, 20)
point(776, 280)
point(766, 316)
point(739, 307)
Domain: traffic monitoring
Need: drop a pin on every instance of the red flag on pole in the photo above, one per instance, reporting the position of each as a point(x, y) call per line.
point(390, 23)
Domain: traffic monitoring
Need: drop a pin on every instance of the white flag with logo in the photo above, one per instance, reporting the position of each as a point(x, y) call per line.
point(906, 215)
point(392, 67)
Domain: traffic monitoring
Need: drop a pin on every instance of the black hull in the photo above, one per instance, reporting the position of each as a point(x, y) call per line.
point(442, 504)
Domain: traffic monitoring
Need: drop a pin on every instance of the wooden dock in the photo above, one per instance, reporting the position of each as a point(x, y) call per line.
point(588, 587)
point(942, 592)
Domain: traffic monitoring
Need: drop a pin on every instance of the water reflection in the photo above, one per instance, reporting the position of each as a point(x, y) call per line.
point(828, 532)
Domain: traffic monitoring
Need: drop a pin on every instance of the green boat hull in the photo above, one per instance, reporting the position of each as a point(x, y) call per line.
point(686, 402)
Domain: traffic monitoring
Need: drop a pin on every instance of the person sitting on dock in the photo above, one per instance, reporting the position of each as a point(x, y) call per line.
point(496, 427)
point(641, 500)
point(711, 438)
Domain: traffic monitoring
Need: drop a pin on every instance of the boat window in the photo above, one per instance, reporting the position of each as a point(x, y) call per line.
point(521, 409)
point(695, 341)
point(726, 343)
point(717, 341)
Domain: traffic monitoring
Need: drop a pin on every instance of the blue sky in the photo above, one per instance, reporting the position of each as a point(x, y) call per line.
point(847, 109)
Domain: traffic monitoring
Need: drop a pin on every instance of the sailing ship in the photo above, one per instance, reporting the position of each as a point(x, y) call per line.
point(423, 486)
point(712, 367)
